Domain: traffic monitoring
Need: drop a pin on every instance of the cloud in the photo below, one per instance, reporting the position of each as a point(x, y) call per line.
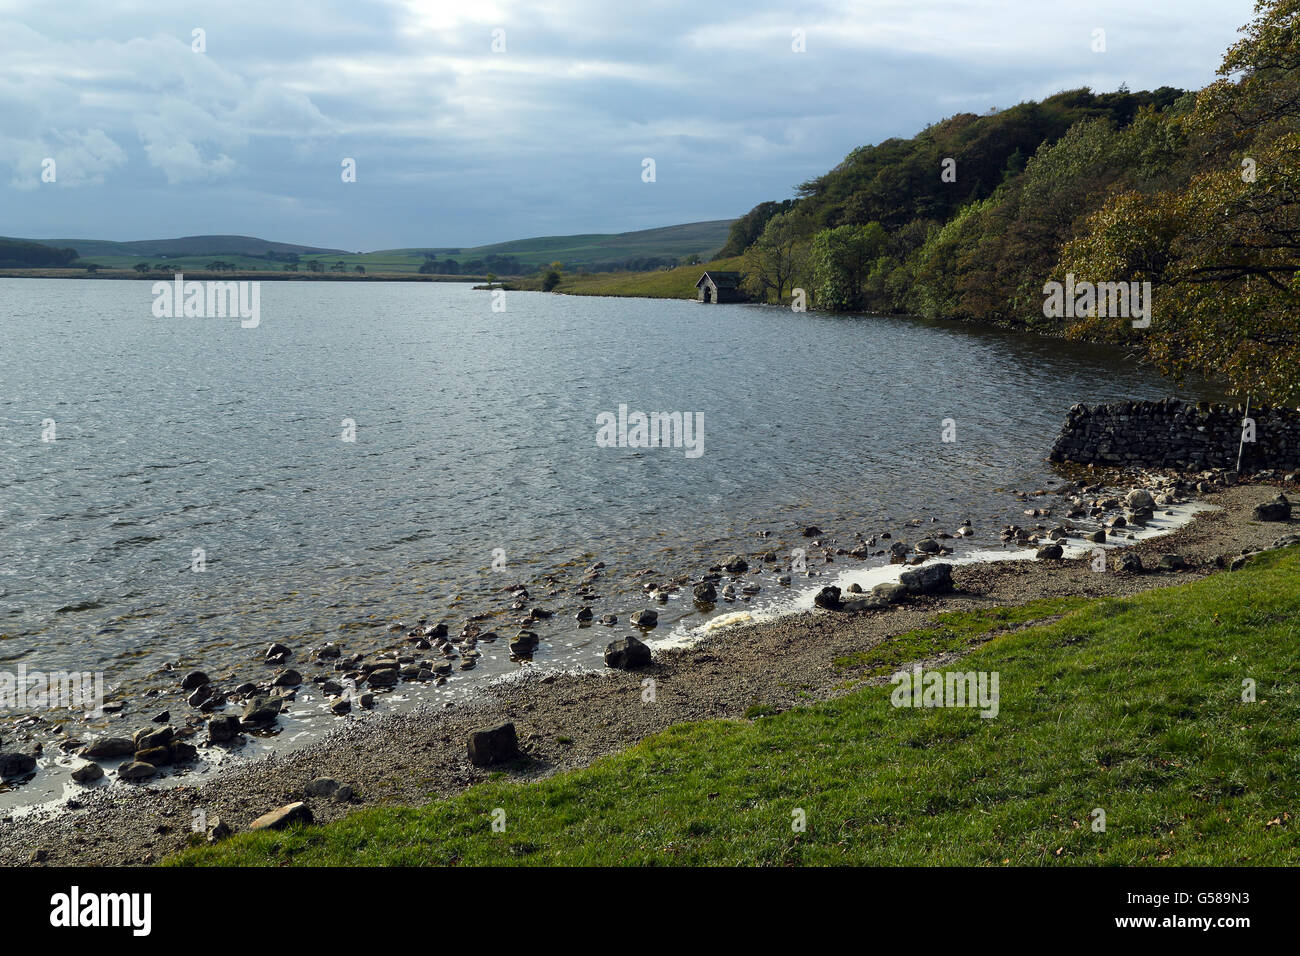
point(459, 145)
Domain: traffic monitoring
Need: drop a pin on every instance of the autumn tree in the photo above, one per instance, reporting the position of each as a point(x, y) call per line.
point(1223, 249)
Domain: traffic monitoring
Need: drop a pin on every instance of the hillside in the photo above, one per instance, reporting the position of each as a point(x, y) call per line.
point(594, 251)
point(643, 250)
point(1187, 197)
point(94, 249)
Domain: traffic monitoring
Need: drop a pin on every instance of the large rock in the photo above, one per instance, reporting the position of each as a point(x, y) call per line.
point(627, 653)
point(927, 579)
point(494, 745)
point(148, 739)
point(646, 618)
point(1138, 499)
point(890, 592)
point(524, 644)
point(261, 711)
point(322, 787)
point(16, 765)
point(1128, 563)
point(137, 771)
point(829, 598)
point(1049, 552)
point(705, 592)
point(282, 817)
point(157, 756)
point(736, 564)
point(223, 729)
point(1279, 509)
point(182, 752)
point(87, 772)
point(106, 748)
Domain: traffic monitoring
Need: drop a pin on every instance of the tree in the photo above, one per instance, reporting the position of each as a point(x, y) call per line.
point(841, 260)
point(774, 259)
point(360, 270)
point(315, 266)
point(1222, 249)
point(141, 267)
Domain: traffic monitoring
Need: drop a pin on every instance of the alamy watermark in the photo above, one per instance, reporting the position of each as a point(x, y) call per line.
point(1076, 300)
point(919, 688)
point(208, 300)
point(654, 430)
point(36, 690)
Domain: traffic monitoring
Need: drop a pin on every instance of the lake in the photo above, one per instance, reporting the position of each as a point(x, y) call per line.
point(190, 443)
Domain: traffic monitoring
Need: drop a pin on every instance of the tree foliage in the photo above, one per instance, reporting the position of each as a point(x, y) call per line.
point(1223, 246)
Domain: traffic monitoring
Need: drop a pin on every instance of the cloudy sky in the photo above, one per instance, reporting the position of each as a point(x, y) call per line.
point(458, 144)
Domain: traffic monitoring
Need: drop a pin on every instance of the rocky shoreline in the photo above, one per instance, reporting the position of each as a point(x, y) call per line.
point(566, 720)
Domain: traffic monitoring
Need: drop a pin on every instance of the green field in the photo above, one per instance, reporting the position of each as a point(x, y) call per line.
point(582, 251)
point(676, 283)
point(1133, 706)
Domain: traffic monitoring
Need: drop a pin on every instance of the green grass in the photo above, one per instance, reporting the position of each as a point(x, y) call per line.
point(1133, 706)
point(953, 631)
point(670, 242)
point(676, 283)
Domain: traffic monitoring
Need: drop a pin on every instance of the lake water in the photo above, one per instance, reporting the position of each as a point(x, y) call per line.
point(475, 434)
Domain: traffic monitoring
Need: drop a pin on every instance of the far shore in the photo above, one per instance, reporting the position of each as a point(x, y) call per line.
point(237, 276)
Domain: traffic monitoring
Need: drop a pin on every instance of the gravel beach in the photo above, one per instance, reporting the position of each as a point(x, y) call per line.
point(568, 720)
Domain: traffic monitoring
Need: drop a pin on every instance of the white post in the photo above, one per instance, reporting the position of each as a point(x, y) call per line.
point(1242, 443)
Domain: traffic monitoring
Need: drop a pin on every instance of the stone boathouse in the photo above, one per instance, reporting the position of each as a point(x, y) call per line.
point(719, 287)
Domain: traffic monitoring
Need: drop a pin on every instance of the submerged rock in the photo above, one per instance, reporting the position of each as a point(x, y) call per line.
point(16, 765)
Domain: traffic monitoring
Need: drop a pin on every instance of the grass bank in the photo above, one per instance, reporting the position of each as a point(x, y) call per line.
point(1132, 706)
point(676, 283)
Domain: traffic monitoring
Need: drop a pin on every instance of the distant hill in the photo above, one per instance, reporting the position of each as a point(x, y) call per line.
point(595, 251)
point(188, 246)
point(646, 249)
point(25, 254)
